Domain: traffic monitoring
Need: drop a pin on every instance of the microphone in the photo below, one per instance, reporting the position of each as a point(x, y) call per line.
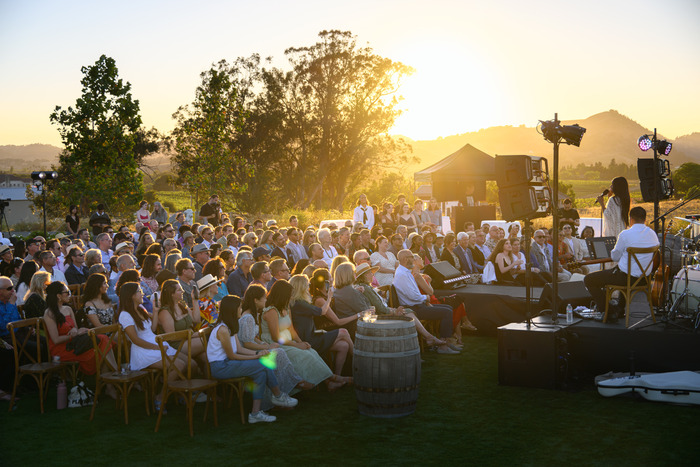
point(605, 192)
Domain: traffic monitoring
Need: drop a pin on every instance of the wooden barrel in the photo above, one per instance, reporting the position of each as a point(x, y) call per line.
point(386, 367)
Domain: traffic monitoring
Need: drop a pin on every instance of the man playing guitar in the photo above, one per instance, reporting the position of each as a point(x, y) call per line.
point(637, 235)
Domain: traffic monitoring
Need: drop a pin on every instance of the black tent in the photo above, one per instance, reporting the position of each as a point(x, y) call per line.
point(461, 173)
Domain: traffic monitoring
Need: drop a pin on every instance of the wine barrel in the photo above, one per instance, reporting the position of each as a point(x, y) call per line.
point(386, 367)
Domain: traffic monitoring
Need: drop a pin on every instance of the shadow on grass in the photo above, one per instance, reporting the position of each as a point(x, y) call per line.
point(463, 417)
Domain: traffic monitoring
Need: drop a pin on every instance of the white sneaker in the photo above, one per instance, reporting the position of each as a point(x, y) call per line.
point(260, 417)
point(284, 400)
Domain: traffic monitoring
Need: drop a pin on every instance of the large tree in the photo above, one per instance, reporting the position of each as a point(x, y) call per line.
point(104, 143)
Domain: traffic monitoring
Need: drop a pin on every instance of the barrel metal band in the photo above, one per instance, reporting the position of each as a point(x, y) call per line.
point(388, 406)
point(386, 390)
point(382, 338)
point(408, 353)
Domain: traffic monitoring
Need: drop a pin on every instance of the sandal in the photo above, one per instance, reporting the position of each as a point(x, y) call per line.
point(4, 396)
point(434, 341)
point(469, 327)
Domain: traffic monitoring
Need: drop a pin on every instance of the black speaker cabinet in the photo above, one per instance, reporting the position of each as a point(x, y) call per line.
point(531, 357)
point(524, 201)
point(575, 293)
point(440, 271)
point(520, 169)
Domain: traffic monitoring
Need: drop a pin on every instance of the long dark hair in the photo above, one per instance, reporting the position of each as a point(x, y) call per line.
point(279, 295)
point(149, 265)
point(53, 290)
point(93, 286)
point(126, 303)
point(130, 275)
point(26, 273)
point(252, 293)
point(622, 193)
point(228, 313)
point(301, 264)
point(166, 297)
point(498, 249)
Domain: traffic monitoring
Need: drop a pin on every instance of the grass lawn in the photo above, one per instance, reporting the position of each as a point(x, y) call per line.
point(463, 417)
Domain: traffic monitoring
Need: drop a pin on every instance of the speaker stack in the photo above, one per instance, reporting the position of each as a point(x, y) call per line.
point(522, 187)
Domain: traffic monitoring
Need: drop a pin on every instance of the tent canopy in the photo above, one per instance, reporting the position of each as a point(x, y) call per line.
point(467, 164)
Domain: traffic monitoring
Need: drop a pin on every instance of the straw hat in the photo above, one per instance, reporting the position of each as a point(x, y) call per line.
point(206, 282)
point(363, 268)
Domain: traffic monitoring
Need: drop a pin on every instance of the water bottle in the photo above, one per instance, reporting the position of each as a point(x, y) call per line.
point(569, 314)
point(61, 396)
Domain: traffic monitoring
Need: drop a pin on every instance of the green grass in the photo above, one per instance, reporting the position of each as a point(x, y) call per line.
point(463, 417)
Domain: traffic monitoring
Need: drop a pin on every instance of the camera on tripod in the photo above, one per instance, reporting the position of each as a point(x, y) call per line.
point(4, 203)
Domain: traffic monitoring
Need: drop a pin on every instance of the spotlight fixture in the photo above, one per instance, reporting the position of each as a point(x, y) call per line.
point(644, 142)
point(664, 147)
point(44, 175)
point(554, 133)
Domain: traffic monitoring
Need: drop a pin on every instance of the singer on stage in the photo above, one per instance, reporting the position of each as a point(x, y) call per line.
point(616, 210)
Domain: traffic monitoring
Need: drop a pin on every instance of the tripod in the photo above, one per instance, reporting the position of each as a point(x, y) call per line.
point(3, 217)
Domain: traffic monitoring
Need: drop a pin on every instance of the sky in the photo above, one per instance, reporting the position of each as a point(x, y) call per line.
point(478, 63)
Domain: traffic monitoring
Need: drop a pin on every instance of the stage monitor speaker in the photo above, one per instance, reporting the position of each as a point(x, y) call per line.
point(518, 170)
point(523, 201)
point(575, 293)
point(441, 271)
point(445, 189)
point(664, 185)
point(531, 357)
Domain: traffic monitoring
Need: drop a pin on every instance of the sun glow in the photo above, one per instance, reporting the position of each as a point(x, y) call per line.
point(453, 90)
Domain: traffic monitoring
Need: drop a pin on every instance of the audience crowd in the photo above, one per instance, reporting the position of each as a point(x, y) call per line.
point(266, 289)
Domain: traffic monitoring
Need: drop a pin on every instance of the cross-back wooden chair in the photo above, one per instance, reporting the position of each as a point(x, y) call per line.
point(634, 285)
point(76, 297)
point(123, 383)
point(185, 385)
point(25, 336)
point(235, 385)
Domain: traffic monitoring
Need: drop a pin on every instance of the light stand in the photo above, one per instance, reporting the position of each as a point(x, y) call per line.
point(40, 179)
point(554, 132)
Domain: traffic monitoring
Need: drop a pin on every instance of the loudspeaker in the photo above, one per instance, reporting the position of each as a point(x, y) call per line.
point(517, 170)
point(575, 293)
point(441, 271)
point(524, 201)
point(534, 357)
point(664, 186)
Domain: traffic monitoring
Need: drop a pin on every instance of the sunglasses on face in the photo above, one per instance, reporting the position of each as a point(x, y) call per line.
point(9, 288)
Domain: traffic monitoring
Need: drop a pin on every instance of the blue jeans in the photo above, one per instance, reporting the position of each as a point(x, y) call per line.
point(261, 375)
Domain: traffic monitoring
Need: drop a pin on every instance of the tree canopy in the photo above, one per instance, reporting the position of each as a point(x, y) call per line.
point(293, 137)
point(104, 143)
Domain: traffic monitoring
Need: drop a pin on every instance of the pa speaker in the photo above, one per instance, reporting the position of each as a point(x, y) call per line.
point(517, 170)
point(440, 271)
point(575, 293)
point(523, 201)
point(531, 356)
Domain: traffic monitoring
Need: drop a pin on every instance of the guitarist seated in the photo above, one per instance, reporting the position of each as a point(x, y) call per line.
point(637, 235)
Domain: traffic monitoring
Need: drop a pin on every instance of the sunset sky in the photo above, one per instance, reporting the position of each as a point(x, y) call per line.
point(478, 63)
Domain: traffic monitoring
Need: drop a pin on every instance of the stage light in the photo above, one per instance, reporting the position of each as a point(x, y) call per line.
point(553, 132)
point(663, 147)
point(644, 142)
point(572, 134)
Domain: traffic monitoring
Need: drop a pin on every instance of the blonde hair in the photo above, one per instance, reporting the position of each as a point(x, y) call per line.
point(266, 236)
point(36, 285)
point(93, 256)
point(248, 236)
point(337, 261)
point(300, 288)
point(344, 275)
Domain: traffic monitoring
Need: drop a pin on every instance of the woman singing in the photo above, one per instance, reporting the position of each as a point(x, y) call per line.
point(616, 210)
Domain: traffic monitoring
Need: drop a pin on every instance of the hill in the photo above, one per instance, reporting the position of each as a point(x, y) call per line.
point(608, 135)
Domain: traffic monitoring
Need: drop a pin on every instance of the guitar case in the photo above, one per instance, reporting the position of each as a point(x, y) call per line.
point(676, 387)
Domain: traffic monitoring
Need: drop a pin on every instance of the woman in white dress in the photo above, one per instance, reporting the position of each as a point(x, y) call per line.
point(386, 261)
point(140, 327)
point(616, 210)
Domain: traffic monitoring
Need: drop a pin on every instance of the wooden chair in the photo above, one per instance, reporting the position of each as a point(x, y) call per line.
point(123, 383)
point(32, 329)
point(185, 386)
point(235, 385)
point(634, 285)
point(76, 297)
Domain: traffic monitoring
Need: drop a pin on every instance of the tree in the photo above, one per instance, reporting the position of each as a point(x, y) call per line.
point(206, 158)
point(686, 178)
point(340, 102)
point(104, 144)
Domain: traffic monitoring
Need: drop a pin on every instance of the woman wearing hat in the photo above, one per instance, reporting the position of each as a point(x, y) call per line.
point(208, 309)
point(363, 278)
point(336, 341)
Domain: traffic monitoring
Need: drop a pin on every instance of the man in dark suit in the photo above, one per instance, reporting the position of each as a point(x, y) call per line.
point(280, 249)
point(477, 254)
point(462, 251)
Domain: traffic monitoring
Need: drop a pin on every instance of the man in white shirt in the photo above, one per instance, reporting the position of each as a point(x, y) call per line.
point(410, 296)
point(637, 235)
point(104, 243)
point(295, 250)
point(363, 212)
point(481, 244)
point(48, 263)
